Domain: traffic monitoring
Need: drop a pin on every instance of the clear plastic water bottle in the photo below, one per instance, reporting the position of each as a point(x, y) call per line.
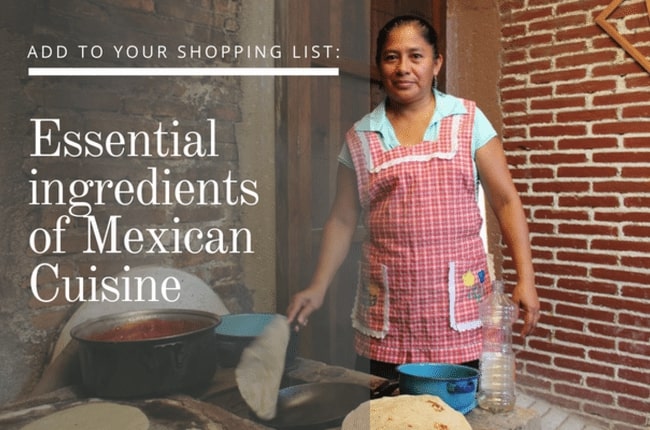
point(497, 379)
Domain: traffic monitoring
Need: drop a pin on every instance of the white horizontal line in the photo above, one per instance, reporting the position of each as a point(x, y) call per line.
point(183, 71)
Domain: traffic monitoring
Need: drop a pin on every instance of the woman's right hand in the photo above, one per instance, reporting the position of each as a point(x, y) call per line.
point(303, 304)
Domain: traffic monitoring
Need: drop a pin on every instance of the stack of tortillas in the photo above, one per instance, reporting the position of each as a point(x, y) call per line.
point(261, 366)
point(416, 412)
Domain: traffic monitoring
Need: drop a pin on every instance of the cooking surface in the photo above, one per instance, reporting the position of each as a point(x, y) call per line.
point(224, 392)
point(221, 403)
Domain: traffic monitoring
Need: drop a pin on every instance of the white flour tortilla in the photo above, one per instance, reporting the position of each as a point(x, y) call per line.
point(261, 366)
point(93, 416)
point(415, 412)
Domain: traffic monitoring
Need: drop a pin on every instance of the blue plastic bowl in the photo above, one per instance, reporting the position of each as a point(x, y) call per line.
point(455, 384)
point(243, 325)
point(237, 331)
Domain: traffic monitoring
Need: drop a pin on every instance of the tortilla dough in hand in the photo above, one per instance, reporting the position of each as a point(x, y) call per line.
point(261, 366)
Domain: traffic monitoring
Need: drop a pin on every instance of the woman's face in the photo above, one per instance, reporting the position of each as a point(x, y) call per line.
point(407, 65)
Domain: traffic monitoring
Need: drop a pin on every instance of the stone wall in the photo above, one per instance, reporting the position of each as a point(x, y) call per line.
point(33, 310)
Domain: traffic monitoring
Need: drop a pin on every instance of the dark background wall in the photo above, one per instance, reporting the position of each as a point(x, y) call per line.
point(107, 104)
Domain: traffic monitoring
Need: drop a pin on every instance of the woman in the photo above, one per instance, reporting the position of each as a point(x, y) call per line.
point(411, 167)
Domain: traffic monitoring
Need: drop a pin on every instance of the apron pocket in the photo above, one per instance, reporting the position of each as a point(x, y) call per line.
point(371, 304)
point(468, 284)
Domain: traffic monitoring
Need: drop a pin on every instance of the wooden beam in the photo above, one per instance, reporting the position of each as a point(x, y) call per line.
point(293, 155)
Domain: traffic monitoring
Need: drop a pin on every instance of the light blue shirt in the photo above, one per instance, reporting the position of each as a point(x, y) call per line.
point(446, 105)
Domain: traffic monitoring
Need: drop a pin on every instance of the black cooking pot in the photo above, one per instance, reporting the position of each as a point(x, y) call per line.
point(147, 353)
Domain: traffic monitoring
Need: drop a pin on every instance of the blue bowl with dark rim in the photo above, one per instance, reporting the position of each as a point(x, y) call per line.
point(455, 384)
point(237, 331)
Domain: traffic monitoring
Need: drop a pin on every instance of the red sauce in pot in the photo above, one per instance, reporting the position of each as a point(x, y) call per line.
point(147, 329)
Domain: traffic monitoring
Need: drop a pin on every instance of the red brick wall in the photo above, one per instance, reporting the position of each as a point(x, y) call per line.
point(577, 133)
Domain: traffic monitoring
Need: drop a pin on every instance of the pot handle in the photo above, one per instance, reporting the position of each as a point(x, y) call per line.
point(178, 352)
point(461, 387)
point(386, 388)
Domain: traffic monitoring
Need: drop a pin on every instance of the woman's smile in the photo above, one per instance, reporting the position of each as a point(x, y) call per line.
point(404, 84)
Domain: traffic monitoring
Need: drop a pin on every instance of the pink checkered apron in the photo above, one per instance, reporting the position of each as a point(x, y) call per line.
point(424, 268)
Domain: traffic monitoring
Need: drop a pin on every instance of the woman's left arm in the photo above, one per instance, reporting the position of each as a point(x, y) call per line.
point(502, 195)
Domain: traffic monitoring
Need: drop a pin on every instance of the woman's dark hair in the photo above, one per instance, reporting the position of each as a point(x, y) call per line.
point(426, 30)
